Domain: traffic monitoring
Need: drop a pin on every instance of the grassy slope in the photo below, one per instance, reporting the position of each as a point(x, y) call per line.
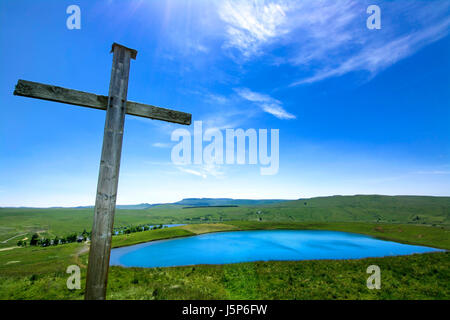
point(401, 209)
point(424, 276)
point(38, 260)
point(145, 236)
point(410, 277)
point(61, 222)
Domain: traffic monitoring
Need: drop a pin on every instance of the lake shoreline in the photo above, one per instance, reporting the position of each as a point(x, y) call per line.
point(261, 245)
point(279, 261)
point(295, 226)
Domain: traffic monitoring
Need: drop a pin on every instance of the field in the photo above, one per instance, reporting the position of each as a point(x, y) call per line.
point(39, 273)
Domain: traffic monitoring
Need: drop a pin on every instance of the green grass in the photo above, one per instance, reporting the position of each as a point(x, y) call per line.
point(145, 236)
point(411, 277)
point(423, 276)
point(210, 227)
point(38, 260)
point(58, 222)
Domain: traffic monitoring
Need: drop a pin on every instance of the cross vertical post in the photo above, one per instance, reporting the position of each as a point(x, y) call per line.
point(105, 203)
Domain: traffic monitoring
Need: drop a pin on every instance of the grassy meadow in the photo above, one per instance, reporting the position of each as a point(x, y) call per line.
point(39, 272)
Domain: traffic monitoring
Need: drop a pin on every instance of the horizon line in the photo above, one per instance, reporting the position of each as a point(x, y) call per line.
point(256, 199)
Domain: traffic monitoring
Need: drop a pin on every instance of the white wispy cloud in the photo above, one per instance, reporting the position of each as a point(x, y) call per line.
point(161, 145)
point(433, 172)
point(204, 170)
point(265, 102)
point(382, 55)
point(193, 172)
point(252, 23)
point(216, 99)
point(223, 111)
point(329, 38)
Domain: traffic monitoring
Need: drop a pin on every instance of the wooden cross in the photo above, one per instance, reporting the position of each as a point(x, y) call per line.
point(116, 105)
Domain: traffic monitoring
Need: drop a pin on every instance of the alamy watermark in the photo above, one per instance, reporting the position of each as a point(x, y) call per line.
point(74, 20)
point(74, 280)
point(229, 149)
point(374, 20)
point(374, 281)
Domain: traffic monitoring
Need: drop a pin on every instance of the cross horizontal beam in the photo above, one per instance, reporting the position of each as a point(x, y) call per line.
point(85, 99)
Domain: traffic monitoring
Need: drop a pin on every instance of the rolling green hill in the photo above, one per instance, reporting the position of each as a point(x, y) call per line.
point(360, 208)
point(224, 202)
point(368, 208)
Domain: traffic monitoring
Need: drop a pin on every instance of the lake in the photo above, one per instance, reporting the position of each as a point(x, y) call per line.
point(264, 245)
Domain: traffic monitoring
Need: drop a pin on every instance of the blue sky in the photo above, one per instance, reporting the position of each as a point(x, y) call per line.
point(359, 111)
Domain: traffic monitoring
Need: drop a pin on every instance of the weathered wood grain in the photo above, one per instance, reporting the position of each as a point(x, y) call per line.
point(85, 99)
point(58, 94)
point(157, 113)
point(108, 179)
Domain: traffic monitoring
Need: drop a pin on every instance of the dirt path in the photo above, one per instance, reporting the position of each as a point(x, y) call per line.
point(82, 250)
point(22, 234)
point(10, 248)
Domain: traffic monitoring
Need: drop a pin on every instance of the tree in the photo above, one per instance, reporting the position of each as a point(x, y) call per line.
point(19, 243)
point(45, 242)
point(71, 238)
point(56, 241)
point(34, 240)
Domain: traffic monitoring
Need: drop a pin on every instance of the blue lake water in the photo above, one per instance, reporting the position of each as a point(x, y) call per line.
point(245, 246)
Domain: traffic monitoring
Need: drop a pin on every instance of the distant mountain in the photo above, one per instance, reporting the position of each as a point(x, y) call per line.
point(199, 202)
point(137, 206)
point(141, 206)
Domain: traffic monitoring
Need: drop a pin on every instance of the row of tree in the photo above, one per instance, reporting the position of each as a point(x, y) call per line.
point(139, 228)
point(45, 242)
